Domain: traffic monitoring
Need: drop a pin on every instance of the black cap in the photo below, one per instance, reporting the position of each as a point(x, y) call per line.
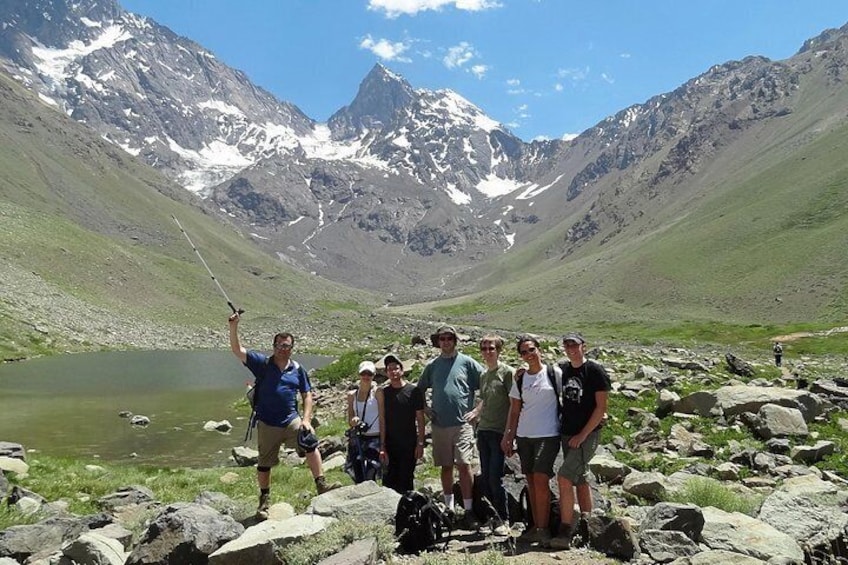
point(575, 337)
point(391, 358)
point(306, 440)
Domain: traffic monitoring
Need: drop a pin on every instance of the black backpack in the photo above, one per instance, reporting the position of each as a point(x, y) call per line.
point(420, 522)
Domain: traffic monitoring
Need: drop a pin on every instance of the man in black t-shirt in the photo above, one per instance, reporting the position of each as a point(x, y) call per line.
point(585, 388)
point(401, 407)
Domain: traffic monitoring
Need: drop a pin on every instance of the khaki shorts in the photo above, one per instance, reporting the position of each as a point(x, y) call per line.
point(537, 454)
point(575, 462)
point(452, 446)
point(271, 438)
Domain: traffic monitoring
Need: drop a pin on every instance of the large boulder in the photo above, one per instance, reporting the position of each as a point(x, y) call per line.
point(666, 545)
point(126, 496)
point(686, 518)
point(184, 533)
point(737, 532)
point(774, 421)
point(612, 536)
point(259, 543)
point(734, 400)
point(20, 542)
point(11, 449)
point(808, 509)
point(650, 486)
point(94, 549)
point(367, 502)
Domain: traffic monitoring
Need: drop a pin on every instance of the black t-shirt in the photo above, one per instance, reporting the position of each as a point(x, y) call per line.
point(578, 394)
point(400, 405)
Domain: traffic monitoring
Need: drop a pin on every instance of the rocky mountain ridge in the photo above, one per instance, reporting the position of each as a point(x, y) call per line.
point(404, 190)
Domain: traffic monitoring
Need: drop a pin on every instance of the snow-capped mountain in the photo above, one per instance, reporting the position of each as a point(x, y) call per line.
point(434, 159)
point(403, 186)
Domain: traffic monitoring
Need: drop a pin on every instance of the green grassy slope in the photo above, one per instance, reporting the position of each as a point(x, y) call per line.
point(94, 225)
point(759, 236)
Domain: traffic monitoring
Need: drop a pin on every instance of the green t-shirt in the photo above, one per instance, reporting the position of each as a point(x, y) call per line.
point(453, 380)
point(494, 392)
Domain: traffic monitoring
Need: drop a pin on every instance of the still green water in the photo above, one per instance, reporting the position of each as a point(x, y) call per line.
point(68, 405)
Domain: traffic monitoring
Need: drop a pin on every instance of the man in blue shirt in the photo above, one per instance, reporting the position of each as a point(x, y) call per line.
point(453, 378)
point(279, 379)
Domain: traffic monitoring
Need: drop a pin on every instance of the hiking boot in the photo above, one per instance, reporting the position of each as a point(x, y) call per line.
point(563, 539)
point(543, 537)
point(264, 505)
point(322, 486)
point(469, 521)
point(535, 535)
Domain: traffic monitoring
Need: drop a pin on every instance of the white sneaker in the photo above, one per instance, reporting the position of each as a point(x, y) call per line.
point(501, 530)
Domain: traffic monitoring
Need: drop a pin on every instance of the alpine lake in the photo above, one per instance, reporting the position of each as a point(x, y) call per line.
point(69, 405)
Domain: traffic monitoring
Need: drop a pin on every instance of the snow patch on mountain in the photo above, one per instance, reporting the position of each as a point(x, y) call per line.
point(54, 62)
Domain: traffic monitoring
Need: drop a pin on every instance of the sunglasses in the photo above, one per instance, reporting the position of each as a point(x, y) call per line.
point(528, 350)
point(283, 346)
point(488, 349)
point(446, 338)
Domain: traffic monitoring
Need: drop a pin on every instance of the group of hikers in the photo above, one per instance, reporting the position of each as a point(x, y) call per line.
point(536, 411)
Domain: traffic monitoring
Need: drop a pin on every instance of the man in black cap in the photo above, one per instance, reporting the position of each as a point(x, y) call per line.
point(585, 388)
point(279, 379)
point(401, 408)
point(453, 378)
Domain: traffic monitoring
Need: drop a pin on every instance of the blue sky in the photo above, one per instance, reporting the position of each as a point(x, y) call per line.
point(545, 68)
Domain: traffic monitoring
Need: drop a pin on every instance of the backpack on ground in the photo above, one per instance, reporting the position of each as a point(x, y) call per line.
point(420, 522)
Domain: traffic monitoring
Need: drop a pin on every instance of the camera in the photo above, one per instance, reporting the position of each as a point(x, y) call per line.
point(359, 429)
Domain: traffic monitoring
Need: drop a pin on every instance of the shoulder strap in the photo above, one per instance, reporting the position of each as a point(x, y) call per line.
point(552, 378)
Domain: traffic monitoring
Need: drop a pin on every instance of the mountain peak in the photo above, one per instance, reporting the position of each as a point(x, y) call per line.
point(381, 94)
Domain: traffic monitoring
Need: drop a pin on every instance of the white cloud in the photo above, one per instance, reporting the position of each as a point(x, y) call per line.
point(513, 82)
point(458, 55)
point(385, 49)
point(479, 71)
point(625, 55)
point(607, 78)
point(558, 87)
point(515, 91)
point(395, 8)
point(575, 74)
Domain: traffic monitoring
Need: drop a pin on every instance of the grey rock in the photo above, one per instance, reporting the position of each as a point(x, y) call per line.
point(11, 449)
point(360, 552)
point(650, 486)
point(184, 533)
point(366, 501)
point(608, 470)
point(810, 454)
point(245, 456)
point(666, 545)
point(612, 536)
point(685, 518)
point(94, 549)
point(259, 543)
point(718, 556)
point(742, 534)
point(779, 421)
point(135, 494)
point(140, 421)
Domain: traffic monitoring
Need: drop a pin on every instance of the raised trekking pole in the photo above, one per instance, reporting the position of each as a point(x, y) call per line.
point(208, 270)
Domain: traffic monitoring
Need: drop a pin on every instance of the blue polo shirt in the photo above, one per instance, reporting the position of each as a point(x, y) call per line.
point(277, 390)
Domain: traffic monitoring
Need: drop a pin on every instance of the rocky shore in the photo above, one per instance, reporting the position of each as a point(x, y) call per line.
point(766, 446)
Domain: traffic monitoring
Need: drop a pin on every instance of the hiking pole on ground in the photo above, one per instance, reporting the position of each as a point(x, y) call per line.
point(208, 270)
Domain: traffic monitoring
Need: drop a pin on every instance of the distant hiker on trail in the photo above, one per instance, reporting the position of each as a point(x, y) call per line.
point(401, 407)
point(778, 353)
point(493, 409)
point(585, 388)
point(533, 423)
point(453, 377)
point(278, 380)
point(363, 417)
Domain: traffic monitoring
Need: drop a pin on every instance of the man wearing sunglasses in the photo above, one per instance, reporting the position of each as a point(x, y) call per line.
point(279, 379)
point(453, 378)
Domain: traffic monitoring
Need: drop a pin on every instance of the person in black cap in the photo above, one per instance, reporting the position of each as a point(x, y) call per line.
point(585, 388)
point(279, 379)
point(401, 408)
point(453, 378)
